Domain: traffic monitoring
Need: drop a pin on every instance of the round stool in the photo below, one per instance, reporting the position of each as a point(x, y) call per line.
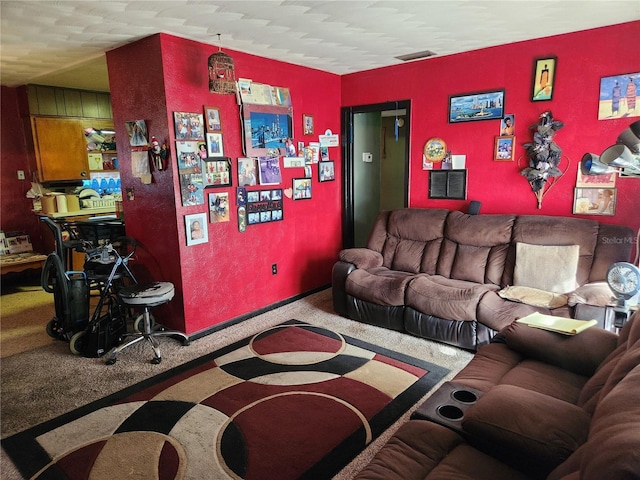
point(146, 297)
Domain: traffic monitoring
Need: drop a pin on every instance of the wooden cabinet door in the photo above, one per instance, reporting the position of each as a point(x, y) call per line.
point(60, 148)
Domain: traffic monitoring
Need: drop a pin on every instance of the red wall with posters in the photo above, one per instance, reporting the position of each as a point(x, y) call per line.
point(583, 58)
point(230, 275)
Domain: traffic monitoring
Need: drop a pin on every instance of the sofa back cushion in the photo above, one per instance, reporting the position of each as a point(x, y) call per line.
point(412, 239)
point(475, 247)
point(614, 367)
point(550, 268)
point(548, 230)
point(614, 245)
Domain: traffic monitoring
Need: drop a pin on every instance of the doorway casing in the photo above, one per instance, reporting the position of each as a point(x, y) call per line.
point(352, 148)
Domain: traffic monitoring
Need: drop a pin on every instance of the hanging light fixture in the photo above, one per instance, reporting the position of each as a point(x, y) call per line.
point(222, 77)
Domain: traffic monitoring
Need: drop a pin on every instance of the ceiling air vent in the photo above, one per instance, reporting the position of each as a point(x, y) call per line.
point(416, 55)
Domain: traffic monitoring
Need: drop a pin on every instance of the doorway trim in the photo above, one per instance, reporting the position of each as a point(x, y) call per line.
point(347, 117)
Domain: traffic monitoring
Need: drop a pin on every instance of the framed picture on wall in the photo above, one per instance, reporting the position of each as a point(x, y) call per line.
point(504, 148)
point(326, 171)
point(301, 188)
point(595, 201)
point(544, 76)
point(189, 126)
point(473, 107)
point(219, 207)
point(212, 118)
point(618, 96)
point(196, 228)
point(307, 124)
point(216, 172)
point(214, 145)
point(448, 184)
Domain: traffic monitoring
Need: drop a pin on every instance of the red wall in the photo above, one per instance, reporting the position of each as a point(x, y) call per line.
point(15, 208)
point(231, 274)
point(583, 58)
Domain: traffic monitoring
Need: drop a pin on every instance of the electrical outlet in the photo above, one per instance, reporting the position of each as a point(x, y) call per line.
point(20, 174)
point(274, 269)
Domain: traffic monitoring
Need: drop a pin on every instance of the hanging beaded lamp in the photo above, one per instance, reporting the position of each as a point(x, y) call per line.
point(222, 78)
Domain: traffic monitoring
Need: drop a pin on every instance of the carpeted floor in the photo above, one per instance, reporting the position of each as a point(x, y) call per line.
point(45, 382)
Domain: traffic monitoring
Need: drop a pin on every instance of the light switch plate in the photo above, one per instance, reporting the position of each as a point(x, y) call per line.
point(20, 174)
point(367, 157)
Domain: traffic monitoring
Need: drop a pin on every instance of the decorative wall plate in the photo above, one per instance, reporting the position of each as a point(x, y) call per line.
point(435, 150)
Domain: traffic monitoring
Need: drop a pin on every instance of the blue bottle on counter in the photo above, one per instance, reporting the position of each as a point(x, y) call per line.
point(95, 185)
point(104, 187)
point(111, 188)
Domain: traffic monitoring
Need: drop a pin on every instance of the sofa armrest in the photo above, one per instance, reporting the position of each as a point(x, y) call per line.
point(361, 257)
point(526, 429)
point(582, 353)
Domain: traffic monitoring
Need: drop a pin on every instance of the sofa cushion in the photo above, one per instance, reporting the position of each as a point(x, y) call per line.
point(550, 230)
point(488, 366)
point(378, 285)
point(526, 429)
point(496, 312)
point(422, 450)
point(613, 447)
point(546, 267)
point(444, 297)
point(533, 296)
point(475, 247)
point(413, 239)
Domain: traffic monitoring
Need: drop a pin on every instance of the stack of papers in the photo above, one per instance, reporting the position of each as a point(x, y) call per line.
point(567, 326)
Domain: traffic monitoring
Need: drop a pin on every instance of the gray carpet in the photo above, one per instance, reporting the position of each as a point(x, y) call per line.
point(48, 381)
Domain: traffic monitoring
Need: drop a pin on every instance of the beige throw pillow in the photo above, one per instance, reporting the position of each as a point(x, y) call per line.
point(533, 296)
point(551, 268)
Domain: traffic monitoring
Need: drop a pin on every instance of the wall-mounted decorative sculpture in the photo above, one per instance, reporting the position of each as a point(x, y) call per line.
point(222, 77)
point(544, 157)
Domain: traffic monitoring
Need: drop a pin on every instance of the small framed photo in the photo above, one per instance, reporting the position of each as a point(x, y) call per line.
point(247, 172)
point(189, 126)
point(307, 123)
point(504, 148)
point(595, 201)
point(326, 171)
point(270, 173)
point(212, 117)
point(188, 157)
point(472, 107)
point(301, 188)
point(214, 145)
point(216, 172)
point(544, 75)
point(219, 207)
point(196, 228)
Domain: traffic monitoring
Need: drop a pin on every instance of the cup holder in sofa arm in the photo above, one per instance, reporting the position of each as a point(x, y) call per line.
point(450, 412)
point(447, 405)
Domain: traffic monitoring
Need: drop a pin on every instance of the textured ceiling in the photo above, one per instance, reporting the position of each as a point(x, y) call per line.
point(63, 42)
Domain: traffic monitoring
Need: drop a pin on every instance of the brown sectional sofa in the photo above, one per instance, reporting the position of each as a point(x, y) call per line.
point(437, 274)
point(549, 406)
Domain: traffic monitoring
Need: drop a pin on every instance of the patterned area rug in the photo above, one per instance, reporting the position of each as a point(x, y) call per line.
point(294, 401)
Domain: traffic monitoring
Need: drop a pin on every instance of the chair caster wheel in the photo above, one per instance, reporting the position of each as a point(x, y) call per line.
point(110, 361)
point(156, 360)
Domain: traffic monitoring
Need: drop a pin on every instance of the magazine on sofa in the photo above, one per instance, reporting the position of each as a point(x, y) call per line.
point(567, 326)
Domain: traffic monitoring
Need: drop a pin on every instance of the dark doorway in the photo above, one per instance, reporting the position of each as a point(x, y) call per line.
point(375, 167)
